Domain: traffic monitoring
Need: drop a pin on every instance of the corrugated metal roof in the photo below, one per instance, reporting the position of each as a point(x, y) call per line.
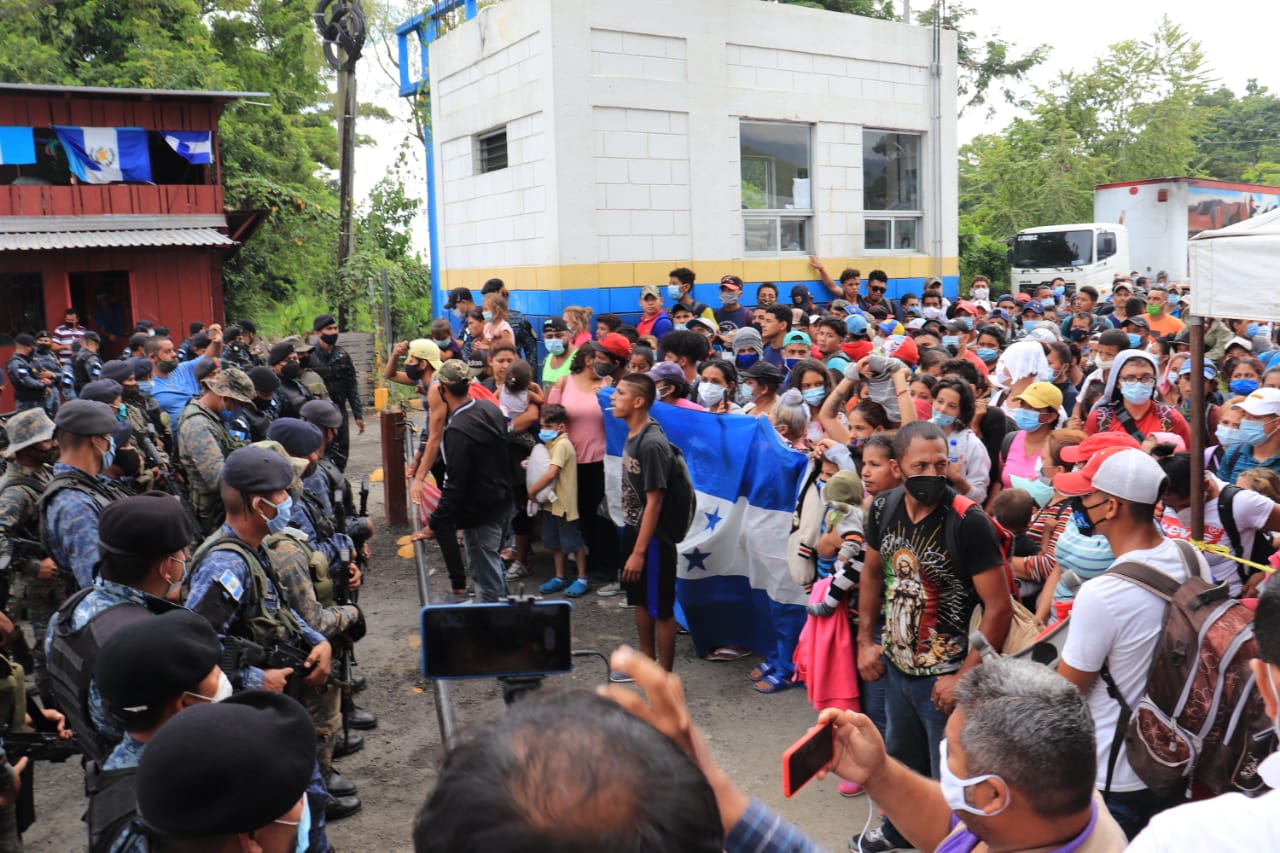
point(107, 91)
point(34, 241)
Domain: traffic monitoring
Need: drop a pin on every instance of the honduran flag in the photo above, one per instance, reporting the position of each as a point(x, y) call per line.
point(733, 586)
point(106, 155)
point(196, 146)
point(17, 146)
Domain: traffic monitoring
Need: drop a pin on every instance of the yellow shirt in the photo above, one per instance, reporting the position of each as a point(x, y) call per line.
point(566, 485)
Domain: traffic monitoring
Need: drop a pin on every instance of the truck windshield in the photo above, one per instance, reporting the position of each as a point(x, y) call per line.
point(1053, 249)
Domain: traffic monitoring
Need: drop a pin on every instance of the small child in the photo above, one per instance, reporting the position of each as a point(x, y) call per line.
point(496, 329)
point(518, 391)
point(1013, 508)
point(843, 529)
point(442, 336)
point(561, 531)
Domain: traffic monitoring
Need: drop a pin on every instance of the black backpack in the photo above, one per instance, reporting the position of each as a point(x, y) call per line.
point(679, 503)
point(1261, 551)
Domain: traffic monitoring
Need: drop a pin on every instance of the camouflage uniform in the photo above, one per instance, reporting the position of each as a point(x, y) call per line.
point(69, 524)
point(13, 706)
point(48, 361)
point(203, 444)
point(20, 519)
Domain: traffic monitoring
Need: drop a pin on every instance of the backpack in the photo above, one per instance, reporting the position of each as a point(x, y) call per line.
point(1261, 551)
point(1200, 720)
point(679, 503)
point(1024, 627)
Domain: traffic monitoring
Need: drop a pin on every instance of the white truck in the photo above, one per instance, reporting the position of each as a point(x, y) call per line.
point(1138, 225)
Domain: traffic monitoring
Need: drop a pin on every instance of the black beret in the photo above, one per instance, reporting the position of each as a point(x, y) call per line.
point(257, 471)
point(297, 437)
point(24, 340)
point(151, 524)
point(144, 324)
point(194, 326)
point(200, 341)
point(323, 413)
point(264, 379)
point(155, 658)
point(249, 326)
point(102, 390)
point(227, 768)
point(141, 366)
point(231, 333)
point(93, 336)
point(204, 367)
point(279, 353)
point(162, 331)
point(322, 321)
point(85, 417)
point(117, 370)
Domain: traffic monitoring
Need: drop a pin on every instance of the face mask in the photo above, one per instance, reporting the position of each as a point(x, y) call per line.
point(1253, 433)
point(742, 395)
point(1026, 419)
point(1080, 516)
point(1136, 392)
point(122, 412)
point(1059, 291)
point(790, 362)
point(746, 359)
point(953, 787)
point(284, 511)
point(175, 587)
point(814, 396)
point(927, 488)
point(1243, 387)
point(602, 370)
point(1041, 491)
point(931, 312)
point(1135, 341)
point(1227, 435)
point(129, 462)
point(710, 393)
point(1078, 335)
point(1153, 310)
point(1174, 299)
point(680, 327)
point(303, 844)
point(1104, 364)
point(413, 371)
point(48, 457)
point(291, 370)
point(965, 323)
point(555, 346)
point(728, 298)
point(1253, 330)
point(673, 291)
point(110, 456)
point(43, 348)
point(943, 420)
point(488, 316)
point(547, 435)
point(980, 293)
point(987, 354)
point(951, 342)
point(1048, 302)
point(329, 340)
point(168, 365)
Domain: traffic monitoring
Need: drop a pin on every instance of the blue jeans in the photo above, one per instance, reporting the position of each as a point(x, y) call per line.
point(1134, 809)
point(483, 542)
point(915, 727)
point(873, 695)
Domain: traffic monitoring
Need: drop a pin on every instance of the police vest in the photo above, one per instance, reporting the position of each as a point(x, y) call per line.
point(281, 546)
point(205, 501)
point(103, 492)
point(82, 367)
point(262, 626)
point(113, 805)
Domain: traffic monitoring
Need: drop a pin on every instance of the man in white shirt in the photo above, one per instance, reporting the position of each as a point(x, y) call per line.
point(1233, 822)
point(1115, 624)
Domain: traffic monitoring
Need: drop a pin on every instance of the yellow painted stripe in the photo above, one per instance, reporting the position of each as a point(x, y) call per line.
point(578, 276)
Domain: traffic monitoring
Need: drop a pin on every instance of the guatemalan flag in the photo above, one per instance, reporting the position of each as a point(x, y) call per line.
point(196, 146)
point(17, 146)
point(106, 155)
point(733, 586)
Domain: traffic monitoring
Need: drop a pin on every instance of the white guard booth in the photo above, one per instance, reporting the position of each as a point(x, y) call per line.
point(1235, 271)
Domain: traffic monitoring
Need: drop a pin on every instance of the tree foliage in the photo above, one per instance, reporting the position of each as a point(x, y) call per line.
point(1243, 137)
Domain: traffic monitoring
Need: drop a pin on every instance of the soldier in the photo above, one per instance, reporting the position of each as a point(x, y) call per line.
point(264, 408)
point(30, 382)
point(334, 366)
point(32, 452)
point(257, 347)
point(145, 436)
point(328, 483)
point(46, 360)
point(143, 540)
point(287, 365)
point(86, 366)
point(232, 584)
point(234, 352)
point(204, 441)
point(78, 492)
point(186, 349)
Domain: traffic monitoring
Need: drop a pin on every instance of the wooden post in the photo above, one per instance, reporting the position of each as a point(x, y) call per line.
point(1198, 438)
point(346, 101)
point(393, 468)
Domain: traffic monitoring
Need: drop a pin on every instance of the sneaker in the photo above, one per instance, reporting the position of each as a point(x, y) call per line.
point(457, 598)
point(517, 570)
point(618, 677)
point(872, 841)
point(553, 585)
point(850, 789)
point(624, 603)
point(610, 589)
point(578, 588)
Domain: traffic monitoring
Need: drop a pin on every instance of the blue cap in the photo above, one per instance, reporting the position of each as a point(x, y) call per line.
point(795, 337)
point(1210, 372)
point(1033, 306)
point(856, 324)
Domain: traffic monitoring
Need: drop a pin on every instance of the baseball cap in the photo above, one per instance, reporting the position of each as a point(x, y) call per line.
point(966, 306)
point(856, 324)
point(703, 323)
point(554, 324)
point(615, 345)
point(1264, 401)
point(425, 349)
point(1125, 473)
point(650, 290)
point(1033, 306)
point(1140, 321)
point(1210, 372)
point(1238, 341)
point(1022, 297)
point(1096, 443)
point(667, 371)
point(1041, 395)
point(453, 371)
point(800, 295)
point(458, 294)
point(839, 305)
point(794, 337)
point(732, 282)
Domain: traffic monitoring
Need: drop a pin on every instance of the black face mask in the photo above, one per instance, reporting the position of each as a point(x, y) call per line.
point(413, 371)
point(48, 457)
point(329, 340)
point(291, 370)
point(927, 488)
point(1081, 517)
point(43, 348)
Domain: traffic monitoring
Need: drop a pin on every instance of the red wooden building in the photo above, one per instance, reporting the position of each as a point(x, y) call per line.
point(117, 252)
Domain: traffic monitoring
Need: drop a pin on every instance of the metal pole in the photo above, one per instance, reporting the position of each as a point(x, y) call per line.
point(388, 333)
point(1198, 438)
point(440, 690)
point(346, 172)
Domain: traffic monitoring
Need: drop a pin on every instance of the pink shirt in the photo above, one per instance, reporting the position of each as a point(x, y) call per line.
point(493, 331)
point(1019, 463)
point(586, 420)
point(682, 403)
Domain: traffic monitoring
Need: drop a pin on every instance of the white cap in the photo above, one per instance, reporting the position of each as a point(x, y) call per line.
point(1130, 475)
point(1264, 401)
point(1238, 341)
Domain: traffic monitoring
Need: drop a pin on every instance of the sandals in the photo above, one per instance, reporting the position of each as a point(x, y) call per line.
point(774, 682)
point(727, 653)
point(553, 585)
point(762, 671)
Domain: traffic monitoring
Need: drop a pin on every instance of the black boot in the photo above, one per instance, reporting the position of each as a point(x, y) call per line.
point(339, 785)
point(362, 719)
point(342, 807)
point(345, 746)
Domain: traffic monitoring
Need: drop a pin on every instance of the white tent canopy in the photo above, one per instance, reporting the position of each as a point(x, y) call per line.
point(1235, 271)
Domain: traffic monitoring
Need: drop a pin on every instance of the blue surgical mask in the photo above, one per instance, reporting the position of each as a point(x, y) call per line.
point(1040, 489)
point(1243, 387)
point(1174, 299)
point(790, 362)
point(1253, 433)
point(1135, 341)
point(122, 412)
point(1059, 291)
point(814, 396)
point(943, 420)
point(1026, 419)
point(673, 291)
point(1136, 392)
point(1048, 302)
point(680, 327)
point(547, 435)
point(303, 844)
point(555, 346)
point(110, 456)
point(746, 359)
point(951, 342)
point(284, 512)
point(710, 393)
point(965, 322)
point(145, 386)
point(1253, 330)
point(987, 354)
point(1227, 435)
point(488, 316)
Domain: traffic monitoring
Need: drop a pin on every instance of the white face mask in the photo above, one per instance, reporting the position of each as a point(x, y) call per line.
point(953, 787)
point(223, 691)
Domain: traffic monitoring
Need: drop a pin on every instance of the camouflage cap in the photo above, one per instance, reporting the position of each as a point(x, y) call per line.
point(453, 371)
point(27, 428)
point(231, 382)
point(298, 343)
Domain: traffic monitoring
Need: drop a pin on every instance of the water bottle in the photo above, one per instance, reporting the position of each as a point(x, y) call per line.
point(953, 452)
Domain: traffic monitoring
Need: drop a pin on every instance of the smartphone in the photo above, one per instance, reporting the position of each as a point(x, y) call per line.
point(804, 758)
point(496, 639)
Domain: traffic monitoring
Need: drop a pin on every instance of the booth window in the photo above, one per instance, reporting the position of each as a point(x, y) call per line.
point(777, 194)
point(891, 191)
point(491, 150)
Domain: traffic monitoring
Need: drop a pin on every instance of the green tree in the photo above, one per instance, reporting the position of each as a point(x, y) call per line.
point(1243, 133)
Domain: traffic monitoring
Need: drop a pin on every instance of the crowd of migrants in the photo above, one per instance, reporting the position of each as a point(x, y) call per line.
point(999, 464)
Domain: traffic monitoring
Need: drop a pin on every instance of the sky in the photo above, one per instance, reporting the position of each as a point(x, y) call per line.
point(1238, 40)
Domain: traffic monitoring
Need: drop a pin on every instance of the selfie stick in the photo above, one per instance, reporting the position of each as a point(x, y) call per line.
point(440, 689)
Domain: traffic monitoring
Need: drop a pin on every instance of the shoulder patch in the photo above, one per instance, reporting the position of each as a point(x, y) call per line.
point(231, 585)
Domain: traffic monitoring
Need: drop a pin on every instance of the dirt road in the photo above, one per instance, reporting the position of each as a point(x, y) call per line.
point(396, 769)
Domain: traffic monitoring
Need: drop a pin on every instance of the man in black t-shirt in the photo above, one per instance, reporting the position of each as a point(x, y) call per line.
point(924, 596)
point(649, 573)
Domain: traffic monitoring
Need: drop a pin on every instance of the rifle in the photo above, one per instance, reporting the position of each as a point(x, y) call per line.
point(344, 594)
point(238, 652)
point(38, 746)
point(170, 482)
point(14, 549)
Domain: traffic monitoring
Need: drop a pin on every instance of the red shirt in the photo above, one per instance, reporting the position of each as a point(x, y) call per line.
point(1149, 422)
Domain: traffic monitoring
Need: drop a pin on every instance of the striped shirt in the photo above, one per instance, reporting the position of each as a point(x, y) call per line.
point(67, 337)
point(760, 830)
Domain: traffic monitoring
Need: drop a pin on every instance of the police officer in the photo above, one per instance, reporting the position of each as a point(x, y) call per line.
point(264, 408)
point(46, 361)
point(334, 366)
point(205, 439)
point(146, 672)
point(78, 492)
point(32, 452)
point(285, 362)
point(86, 365)
point(328, 483)
point(234, 352)
point(30, 382)
point(230, 776)
point(143, 541)
point(146, 438)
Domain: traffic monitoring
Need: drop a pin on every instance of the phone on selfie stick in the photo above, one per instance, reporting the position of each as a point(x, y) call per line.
point(813, 752)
